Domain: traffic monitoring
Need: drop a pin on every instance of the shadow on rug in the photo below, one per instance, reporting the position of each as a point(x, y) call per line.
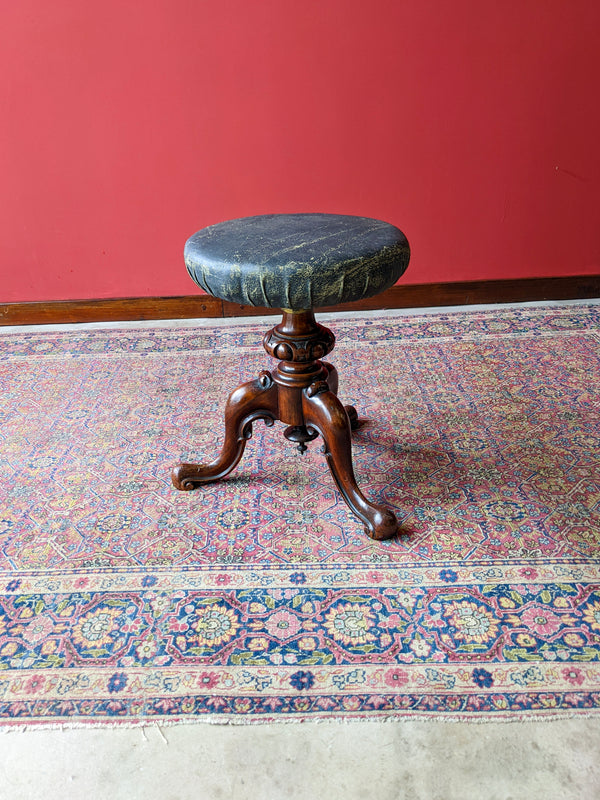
point(260, 597)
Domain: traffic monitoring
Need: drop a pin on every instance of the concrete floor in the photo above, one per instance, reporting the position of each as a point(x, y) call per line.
point(383, 760)
point(394, 760)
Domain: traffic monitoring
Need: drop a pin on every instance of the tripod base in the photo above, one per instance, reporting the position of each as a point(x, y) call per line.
point(301, 392)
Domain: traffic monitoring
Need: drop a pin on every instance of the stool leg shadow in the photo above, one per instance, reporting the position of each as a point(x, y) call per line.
point(251, 401)
point(325, 413)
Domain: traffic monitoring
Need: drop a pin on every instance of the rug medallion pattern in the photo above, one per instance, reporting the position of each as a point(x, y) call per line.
point(260, 597)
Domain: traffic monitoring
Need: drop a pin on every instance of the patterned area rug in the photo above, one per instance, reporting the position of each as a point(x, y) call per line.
point(260, 597)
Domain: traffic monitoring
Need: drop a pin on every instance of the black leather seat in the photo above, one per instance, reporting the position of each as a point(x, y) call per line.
point(297, 261)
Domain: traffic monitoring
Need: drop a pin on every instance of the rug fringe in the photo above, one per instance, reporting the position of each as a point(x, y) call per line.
point(144, 725)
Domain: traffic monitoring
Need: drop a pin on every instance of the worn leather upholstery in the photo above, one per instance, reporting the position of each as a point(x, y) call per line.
point(297, 261)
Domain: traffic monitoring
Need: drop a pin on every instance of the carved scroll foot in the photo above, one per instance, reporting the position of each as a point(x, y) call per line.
point(249, 402)
point(324, 412)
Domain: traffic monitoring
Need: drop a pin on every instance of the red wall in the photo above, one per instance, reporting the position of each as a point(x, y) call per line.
point(126, 126)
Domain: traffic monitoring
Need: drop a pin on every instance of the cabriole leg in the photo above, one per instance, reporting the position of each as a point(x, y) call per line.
point(251, 401)
point(324, 412)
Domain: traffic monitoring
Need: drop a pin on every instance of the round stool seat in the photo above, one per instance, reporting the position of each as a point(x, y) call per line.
point(297, 261)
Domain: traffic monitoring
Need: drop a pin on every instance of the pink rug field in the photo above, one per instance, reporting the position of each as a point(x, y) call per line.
point(260, 598)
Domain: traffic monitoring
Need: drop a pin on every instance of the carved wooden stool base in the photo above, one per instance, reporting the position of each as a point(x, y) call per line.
point(301, 392)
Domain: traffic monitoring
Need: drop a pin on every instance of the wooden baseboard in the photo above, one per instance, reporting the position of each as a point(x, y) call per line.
point(516, 290)
point(112, 310)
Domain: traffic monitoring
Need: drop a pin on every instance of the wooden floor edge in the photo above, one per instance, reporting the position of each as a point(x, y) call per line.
point(516, 290)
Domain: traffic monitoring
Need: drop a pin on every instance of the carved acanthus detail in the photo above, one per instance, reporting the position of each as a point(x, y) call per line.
point(306, 349)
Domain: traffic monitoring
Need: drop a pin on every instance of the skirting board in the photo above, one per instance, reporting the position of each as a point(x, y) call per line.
point(570, 287)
